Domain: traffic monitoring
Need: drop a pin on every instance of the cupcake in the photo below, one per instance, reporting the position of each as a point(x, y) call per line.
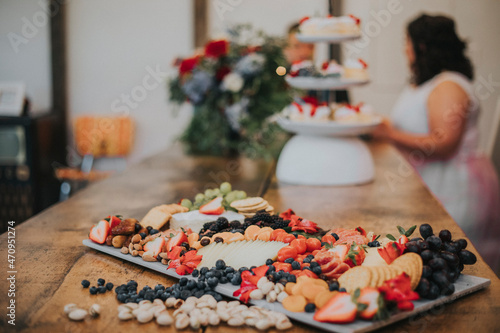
point(356, 69)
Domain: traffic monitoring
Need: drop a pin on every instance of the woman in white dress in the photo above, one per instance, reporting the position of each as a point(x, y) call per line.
point(434, 124)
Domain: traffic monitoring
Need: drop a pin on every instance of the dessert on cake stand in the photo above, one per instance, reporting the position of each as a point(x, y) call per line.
point(330, 152)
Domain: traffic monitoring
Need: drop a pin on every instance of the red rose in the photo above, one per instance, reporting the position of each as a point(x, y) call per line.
point(188, 64)
point(216, 48)
point(221, 72)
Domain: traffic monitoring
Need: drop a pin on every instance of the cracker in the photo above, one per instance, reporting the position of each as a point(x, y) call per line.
point(261, 206)
point(354, 278)
point(155, 218)
point(248, 202)
point(412, 264)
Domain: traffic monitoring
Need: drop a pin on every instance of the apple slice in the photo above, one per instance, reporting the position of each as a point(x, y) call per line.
point(214, 207)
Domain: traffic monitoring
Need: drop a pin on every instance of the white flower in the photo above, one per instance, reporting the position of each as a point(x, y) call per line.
point(232, 82)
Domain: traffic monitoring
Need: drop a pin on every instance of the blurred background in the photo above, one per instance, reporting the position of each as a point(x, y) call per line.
point(113, 58)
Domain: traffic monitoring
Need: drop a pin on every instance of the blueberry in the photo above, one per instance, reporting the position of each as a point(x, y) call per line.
point(291, 278)
point(195, 273)
point(314, 264)
point(306, 260)
point(370, 244)
point(132, 283)
point(191, 284)
point(335, 236)
point(283, 281)
point(183, 281)
point(333, 286)
point(229, 276)
point(342, 290)
point(295, 265)
point(269, 262)
point(138, 227)
point(307, 268)
point(426, 230)
point(198, 293)
point(376, 243)
point(109, 286)
point(203, 270)
point(242, 269)
point(93, 290)
point(223, 280)
point(252, 267)
point(310, 256)
point(289, 260)
point(236, 280)
point(201, 285)
point(101, 282)
point(228, 270)
point(217, 274)
point(149, 228)
point(185, 294)
point(143, 235)
point(85, 283)
point(212, 282)
point(271, 269)
point(317, 270)
point(164, 296)
point(310, 307)
point(142, 293)
point(120, 297)
point(154, 231)
point(102, 289)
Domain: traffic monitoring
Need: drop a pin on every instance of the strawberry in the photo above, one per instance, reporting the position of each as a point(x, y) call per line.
point(156, 246)
point(339, 309)
point(175, 253)
point(99, 233)
point(355, 256)
point(370, 297)
point(340, 251)
point(213, 207)
point(361, 231)
point(177, 240)
point(113, 221)
point(391, 251)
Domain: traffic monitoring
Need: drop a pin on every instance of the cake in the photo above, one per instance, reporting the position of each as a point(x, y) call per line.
point(324, 26)
point(332, 69)
point(347, 113)
point(195, 220)
point(355, 69)
point(307, 111)
point(303, 68)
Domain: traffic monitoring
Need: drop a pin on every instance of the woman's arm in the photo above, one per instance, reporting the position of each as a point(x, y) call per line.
point(447, 112)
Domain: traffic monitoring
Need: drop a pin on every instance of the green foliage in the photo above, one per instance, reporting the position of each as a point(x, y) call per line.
point(210, 131)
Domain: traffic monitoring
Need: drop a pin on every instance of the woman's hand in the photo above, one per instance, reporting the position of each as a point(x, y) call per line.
point(384, 130)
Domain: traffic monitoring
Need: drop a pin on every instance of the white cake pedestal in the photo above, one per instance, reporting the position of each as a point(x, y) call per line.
point(323, 160)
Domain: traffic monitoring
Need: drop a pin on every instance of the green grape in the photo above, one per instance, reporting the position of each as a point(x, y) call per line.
point(216, 192)
point(230, 197)
point(241, 195)
point(199, 197)
point(186, 203)
point(225, 187)
point(209, 193)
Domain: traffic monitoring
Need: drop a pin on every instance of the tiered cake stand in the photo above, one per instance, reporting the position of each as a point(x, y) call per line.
point(325, 153)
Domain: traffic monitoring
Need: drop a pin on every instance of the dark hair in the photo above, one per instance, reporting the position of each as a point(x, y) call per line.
point(294, 28)
point(437, 48)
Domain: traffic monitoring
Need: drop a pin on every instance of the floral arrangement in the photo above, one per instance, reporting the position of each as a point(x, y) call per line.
point(235, 90)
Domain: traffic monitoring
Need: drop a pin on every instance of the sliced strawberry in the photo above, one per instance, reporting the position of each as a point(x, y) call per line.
point(339, 309)
point(370, 297)
point(403, 240)
point(340, 251)
point(155, 246)
point(361, 231)
point(113, 221)
point(175, 253)
point(99, 232)
point(391, 251)
point(177, 240)
point(328, 238)
point(355, 256)
point(282, 266)
point(214, 207)
point(337, 271)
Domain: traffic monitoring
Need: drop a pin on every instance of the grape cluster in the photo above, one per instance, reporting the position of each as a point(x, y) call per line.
point(225, 191)
point(443, 259)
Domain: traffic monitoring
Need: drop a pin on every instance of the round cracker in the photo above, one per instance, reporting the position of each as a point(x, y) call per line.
point(354, 278)
point(261, 206)
point(375, 276)
point(248, 202)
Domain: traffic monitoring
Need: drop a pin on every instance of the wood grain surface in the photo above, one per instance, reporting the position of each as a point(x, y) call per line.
point(51, 260)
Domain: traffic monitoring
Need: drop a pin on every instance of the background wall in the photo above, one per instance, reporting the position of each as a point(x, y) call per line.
point(25, 49)
point(119, 55)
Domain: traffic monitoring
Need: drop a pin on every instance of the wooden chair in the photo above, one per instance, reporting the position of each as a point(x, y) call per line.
point(95, 137)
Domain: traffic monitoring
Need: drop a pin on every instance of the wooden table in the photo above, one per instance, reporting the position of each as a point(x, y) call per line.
point(51, 261)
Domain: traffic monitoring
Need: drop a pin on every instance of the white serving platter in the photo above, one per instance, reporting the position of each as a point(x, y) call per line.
point(331, 38)
point(323, 83)
point(328, 128)
point(465, 285)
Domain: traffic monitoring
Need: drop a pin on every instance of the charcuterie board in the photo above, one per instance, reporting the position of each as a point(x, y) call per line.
point(465, 285)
